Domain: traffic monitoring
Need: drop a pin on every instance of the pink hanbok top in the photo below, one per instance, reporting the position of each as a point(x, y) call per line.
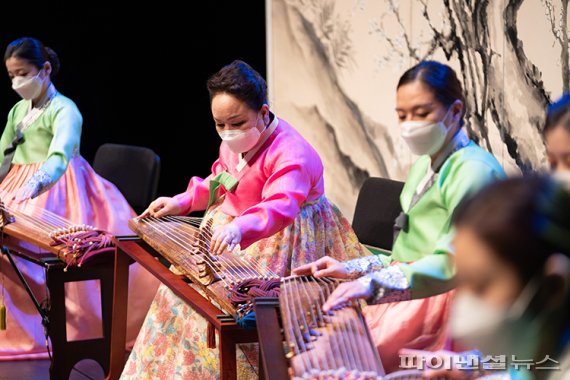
point(284, 173)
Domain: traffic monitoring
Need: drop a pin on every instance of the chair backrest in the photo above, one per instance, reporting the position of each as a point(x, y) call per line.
point(133, 169)
point(377, 207)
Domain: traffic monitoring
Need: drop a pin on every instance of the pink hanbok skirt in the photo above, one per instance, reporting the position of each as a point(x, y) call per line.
point(420, 324)
point(82, 197)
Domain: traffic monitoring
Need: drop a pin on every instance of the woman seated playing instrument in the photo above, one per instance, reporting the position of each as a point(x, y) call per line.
point(413, 284)
point(43, 176)
point(265, 195)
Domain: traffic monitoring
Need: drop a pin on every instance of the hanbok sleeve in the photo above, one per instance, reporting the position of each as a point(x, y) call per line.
point(66, 127)
point(362, 266)
point(197, 194)
point(8, 134)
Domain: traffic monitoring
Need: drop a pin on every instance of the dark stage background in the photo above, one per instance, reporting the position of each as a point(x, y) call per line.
point(139, 77)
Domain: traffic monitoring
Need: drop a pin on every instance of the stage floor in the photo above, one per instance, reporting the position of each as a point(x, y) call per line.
point(39, 370)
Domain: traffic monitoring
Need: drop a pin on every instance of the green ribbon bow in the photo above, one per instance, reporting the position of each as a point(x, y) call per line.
point(225, 179)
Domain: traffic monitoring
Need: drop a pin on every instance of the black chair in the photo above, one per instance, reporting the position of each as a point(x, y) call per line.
point(377, 207)
point(133, 169)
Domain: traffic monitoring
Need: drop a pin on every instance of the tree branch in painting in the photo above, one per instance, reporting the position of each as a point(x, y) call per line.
point(467, 33)
point(560, 33)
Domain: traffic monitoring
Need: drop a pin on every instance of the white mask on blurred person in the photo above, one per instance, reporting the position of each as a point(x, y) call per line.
point(563, 177)
point(496, 330)
point(424, 137)
point(241, 141)
point(28, 87)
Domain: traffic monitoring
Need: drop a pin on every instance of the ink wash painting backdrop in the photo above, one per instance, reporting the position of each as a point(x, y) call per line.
point(333, 66)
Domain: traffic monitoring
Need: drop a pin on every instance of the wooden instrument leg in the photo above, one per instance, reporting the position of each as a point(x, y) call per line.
point(67, 353)
point(119, 315)
point(261, 367)
point(228, 367)
point(59, 368)
point(270, 339)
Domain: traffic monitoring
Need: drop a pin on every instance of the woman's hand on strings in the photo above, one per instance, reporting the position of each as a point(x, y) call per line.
point(25, 192)
point(225, 237)
point(345, 293)
point(162, 206)
point(39, 182)
point(323, 267)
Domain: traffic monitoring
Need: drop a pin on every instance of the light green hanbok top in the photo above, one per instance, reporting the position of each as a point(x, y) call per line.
point(53, 138)
point(421, 263)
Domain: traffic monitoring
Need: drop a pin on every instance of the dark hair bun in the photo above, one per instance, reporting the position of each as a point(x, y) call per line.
point(54, 60)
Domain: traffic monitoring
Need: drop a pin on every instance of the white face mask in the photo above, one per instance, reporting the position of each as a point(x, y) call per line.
point(28, 87)
point(496, 330)
point(563, 177)
point(424, 137)
point(241, 141)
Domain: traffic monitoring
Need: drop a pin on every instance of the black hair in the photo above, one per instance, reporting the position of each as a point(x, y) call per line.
point(241, 81)
point(524, 220)
point(558, 113)
point(33, 51)
point(439, 78)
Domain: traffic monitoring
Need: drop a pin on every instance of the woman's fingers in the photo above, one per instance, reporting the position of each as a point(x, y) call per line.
point(162, 210)
point(333, 270)
point(304, 270)
point(225, 238)
point(314, 267)
point(24, 194)
point(145, 214)
point(151, 209)
point(337, 297)
point(215, 243)
point(160, 207)
point(346, 292)
point(222, 246)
